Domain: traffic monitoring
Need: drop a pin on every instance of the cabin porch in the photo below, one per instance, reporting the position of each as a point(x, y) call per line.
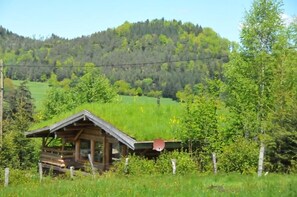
point(80, 153)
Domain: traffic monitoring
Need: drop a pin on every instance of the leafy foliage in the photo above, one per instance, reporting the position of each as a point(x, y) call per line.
point(142, 166)
point(137, 166)
point(91, 87)
point(240, 156)
point(259, 84)
point(18, 151)
point(184, 163)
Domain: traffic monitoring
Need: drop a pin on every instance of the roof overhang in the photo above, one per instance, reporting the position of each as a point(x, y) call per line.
point(45, 131)
point(84, 115)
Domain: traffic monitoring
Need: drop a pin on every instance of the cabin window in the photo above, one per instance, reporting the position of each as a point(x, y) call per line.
point(98, 153)
point(85, 149)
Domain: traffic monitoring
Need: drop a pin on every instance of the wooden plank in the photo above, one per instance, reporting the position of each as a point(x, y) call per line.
point(123, 150)
point(43, 142)
point(57, 150)
point(56, 163)
point(92, 149)
point(94, 131)
point(84, 124)
point(91, 137)
point(77, 149)
point(104, 151)
point(73, 128)
point(78, 134)
point(50, 156)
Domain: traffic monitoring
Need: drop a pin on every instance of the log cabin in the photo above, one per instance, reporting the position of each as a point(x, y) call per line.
point(82, 137)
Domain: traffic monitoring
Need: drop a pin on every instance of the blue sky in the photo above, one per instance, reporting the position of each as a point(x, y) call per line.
point(74, 18)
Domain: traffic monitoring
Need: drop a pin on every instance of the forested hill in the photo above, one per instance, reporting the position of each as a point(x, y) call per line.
point(151, 57)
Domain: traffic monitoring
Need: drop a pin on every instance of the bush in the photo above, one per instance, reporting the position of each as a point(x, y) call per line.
point(17, 176)
point(140, 165)
point(137, 165)
point(240, 156)
point(184, 163)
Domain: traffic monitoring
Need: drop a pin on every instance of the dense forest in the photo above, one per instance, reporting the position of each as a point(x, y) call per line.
point(153, 58)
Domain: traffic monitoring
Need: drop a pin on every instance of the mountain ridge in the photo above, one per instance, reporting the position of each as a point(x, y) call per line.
point(161, 43)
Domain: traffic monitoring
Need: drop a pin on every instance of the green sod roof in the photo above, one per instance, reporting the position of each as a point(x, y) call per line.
point(142, 121)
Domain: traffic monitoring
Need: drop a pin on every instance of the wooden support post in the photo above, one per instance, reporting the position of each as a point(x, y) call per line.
point(63, 144)
point(71, 172)
point(40, 171)
point(173, 162)
point(6, 179)
point(92, 149)
point(123, 150)
point(43, 142)
point(105, 151)
point(78, 134)
point(77, 149)
point(108, 153)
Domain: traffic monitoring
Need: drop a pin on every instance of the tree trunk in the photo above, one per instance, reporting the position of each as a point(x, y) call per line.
point(261, 159)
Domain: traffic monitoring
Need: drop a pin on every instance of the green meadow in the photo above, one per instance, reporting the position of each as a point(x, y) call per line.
point(38, 91)
point(157, 185)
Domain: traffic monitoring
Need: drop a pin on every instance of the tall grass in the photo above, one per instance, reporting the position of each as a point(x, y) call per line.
point(159, 185)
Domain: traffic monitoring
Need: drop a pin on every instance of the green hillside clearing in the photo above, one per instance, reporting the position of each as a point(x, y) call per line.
point(37, 89)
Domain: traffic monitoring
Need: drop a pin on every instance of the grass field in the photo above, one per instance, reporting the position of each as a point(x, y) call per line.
point(38, 91)
point(158, 185)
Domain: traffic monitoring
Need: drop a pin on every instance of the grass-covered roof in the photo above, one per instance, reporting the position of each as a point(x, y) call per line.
point(140, 120)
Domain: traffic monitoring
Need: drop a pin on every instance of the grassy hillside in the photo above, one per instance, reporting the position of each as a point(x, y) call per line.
point(160, 185)
point(142, 121)
point(139, 117)
point(38, 91)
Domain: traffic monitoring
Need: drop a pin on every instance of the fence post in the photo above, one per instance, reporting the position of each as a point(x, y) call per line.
point(173, 162)
point(126, 169)
point(92, 165)
point(71, 172)
point(40, 171)
point(214, 160)
point(6, 177)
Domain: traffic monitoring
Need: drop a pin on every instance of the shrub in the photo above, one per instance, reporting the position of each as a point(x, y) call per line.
point(184, 163)
point(240, 156)
point(140, 165)
point(17, 176)
point(137, 165)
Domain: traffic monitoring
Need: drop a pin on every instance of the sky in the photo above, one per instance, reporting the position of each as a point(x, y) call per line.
point(74, 18)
